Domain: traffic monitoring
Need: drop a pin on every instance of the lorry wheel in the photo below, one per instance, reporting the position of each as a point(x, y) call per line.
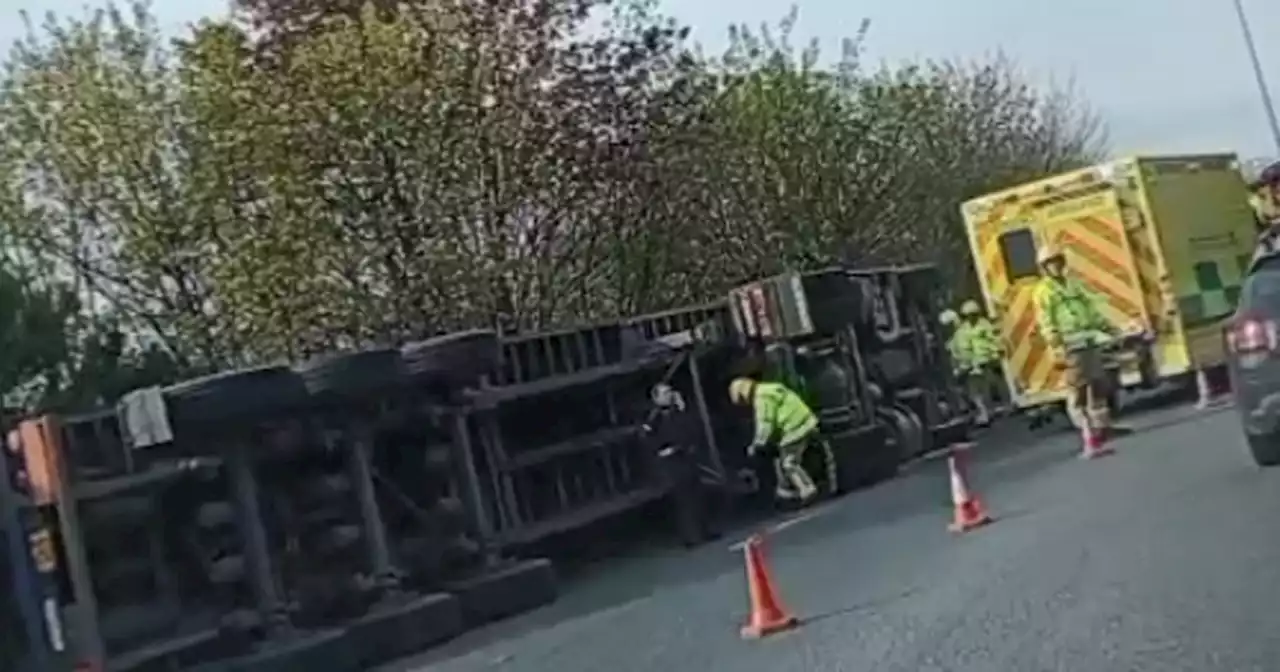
point(216, 401)
point(353, 375)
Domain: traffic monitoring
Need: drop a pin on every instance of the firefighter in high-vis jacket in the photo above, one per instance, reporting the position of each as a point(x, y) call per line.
point(1264, 200)
point(981, 350)
point(1071, 323)
point(783, 420)
point(1264, 197)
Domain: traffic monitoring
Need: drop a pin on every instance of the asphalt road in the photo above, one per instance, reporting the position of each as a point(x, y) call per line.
point(1164, 557)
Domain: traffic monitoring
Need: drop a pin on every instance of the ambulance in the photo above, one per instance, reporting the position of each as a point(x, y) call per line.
point(1162, 241)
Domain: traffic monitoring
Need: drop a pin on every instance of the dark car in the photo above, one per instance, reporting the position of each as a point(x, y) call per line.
point(1253, 345)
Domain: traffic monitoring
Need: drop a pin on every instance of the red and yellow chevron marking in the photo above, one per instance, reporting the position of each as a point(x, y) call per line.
point(1099, 254)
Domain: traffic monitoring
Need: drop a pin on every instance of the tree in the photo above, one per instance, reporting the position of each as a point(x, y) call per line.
point(310, 177)
point(98, 182)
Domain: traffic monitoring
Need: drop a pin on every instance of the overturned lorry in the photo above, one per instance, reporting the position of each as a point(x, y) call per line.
point(361, 506)
point(322, 516)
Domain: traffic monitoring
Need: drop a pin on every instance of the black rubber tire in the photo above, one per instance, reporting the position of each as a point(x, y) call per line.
point(393, 631)
point(522, 587)
point(1265, 450)
point(454, 359)
point(353, 375)
point(330, 651)
point(224, 399)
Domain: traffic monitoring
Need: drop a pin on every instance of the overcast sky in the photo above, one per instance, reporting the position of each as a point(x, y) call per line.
point(1167, 75)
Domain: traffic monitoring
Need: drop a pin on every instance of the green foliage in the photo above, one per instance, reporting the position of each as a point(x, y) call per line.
point(321, 174)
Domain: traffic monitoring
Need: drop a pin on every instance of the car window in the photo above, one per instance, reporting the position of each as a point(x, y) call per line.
point(1262, 288)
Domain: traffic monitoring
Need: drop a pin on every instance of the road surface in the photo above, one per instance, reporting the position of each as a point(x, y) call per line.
point(1165, 557)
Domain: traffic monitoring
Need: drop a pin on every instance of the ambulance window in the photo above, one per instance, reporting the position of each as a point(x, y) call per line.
point(1019, 251)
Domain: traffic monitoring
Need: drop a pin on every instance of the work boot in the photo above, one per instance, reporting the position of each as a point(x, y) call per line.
point(785, 493)
point(804, 486)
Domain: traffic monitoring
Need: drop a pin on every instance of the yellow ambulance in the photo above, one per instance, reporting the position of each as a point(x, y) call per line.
point(1163, 241)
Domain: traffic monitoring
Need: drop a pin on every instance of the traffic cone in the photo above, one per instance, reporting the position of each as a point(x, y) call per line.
point(768, 616)
point(969, 511)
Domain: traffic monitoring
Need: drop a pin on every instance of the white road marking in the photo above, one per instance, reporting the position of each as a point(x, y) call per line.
point(789, 522)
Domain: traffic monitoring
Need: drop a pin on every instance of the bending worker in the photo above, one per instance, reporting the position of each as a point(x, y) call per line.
point(1070, 322)
point(782, 419)
point(980, 345)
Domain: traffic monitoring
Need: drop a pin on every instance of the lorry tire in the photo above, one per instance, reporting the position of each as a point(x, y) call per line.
point(353, 375)
point(225, 399)
point(328, 650)
point(905, 430)
point(454, 359)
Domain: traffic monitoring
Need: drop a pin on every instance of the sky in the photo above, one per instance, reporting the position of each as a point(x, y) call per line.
point(1165, 75)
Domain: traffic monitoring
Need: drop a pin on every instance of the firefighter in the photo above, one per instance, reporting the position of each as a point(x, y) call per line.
point(674, 437)
point(978, 340)
point(784, 420)
point(1068, 316)
point(1264, 197)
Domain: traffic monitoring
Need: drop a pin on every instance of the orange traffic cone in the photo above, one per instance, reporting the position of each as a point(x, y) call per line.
point(969, 511)
point(768, 616)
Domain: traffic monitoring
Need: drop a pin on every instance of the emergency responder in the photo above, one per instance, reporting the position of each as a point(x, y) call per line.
point(1069, 321)
point(674, 436)
point(784, 421)
point(980, 345)
point(1264, 197)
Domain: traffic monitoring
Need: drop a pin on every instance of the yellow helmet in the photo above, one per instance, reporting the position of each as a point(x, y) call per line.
point(740, 390)
point(948, 317)
point(1048, 253)
point(970, 308)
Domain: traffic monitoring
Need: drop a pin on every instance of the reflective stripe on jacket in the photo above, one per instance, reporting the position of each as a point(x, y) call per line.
point(979, 343)
point(1066, 310)
point(781, 414)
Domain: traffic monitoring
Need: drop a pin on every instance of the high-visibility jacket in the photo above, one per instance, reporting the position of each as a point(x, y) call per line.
point(1067, 312)
point(978, 342)
point(781, 415)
